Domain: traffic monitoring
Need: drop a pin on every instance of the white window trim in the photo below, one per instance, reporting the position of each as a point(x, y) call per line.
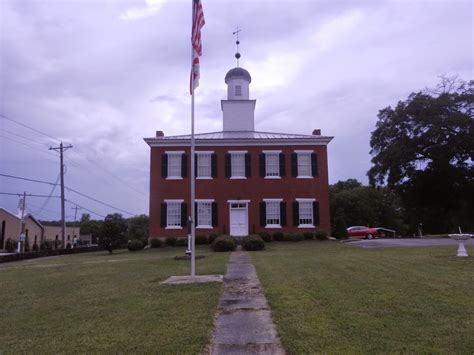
point(209, 153)
point(238, 151)
point(238, 201)
point(304, 177)
point(174, 152)
point(204, 152)
point(204, 200)
point(271, 151)
point(203, 178)
point(272, 177)
point(303, 151)
point(310, 164)
point(173, 201)
point(237, 178)
point(306, 200)
point(273, 226)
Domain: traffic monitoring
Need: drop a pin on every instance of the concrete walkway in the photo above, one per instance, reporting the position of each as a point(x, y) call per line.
point(244, 324)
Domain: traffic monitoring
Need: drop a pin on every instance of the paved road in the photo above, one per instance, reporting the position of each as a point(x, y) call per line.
point(386, 243)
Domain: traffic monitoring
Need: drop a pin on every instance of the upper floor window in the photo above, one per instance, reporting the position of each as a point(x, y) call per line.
point(304, 164)
point(204, 165)
point(174, 165)
point(237, 164)
point(238, 90)
point(272, 164)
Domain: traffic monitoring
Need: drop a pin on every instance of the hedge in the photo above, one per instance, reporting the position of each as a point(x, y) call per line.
point(44, 253)
point(224, 243)
point(253, 242)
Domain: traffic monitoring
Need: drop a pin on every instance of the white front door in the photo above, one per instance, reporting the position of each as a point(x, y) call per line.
point(239, 226)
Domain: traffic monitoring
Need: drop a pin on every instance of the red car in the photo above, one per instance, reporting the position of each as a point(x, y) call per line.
point(362, 232)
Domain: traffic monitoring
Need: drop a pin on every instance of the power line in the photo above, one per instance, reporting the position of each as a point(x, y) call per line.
point(47, 200)
point(29, 146)
point(103, 203)
point(30, 195)
point(24, 137)
point(88, 210)
point(70, 189)
point(26, 126)
point(32, 180)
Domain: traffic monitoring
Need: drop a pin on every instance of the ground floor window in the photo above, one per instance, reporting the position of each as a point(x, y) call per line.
point(173, 214)
point(204, 214)
point(305, 209)
point(272, 213)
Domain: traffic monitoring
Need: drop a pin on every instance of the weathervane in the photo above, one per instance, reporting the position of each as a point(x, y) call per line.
point(237, 42)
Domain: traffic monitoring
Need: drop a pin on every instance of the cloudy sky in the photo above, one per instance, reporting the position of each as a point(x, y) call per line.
point(103, 74)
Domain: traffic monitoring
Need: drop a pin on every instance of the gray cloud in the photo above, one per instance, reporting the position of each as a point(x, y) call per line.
point(103, 74)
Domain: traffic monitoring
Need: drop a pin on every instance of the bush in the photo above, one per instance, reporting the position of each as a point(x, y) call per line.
point(46, 245)
point(253, 242)
point(224, 243)
point(212, 237)
point(135, 244)
point(68, 246)
point(267, 237)
point(320, 235)
point(294, 237)
point(10, 245)
point(278, 236)
point(170, 241)
point(156, 243)
point(308, 235)
point(181, 242)
point(35, 247)
point(201, 239)
point(287, 237)
point(27, 245)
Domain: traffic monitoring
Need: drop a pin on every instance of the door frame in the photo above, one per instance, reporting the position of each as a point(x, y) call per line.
point(246, 208)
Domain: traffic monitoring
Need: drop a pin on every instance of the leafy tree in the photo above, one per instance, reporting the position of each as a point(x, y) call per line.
point(424, 150)
point(353, 204)
point(110, 235)
point(138, 228)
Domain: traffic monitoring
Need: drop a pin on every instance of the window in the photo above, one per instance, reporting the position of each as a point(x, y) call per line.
point(305, 213)
point(272, 164)
point(304, 164)
point(173, 214)
point(273, 213)
point(204, 214)
point(204, 164)
point(238, 165)
point(238, 90)
point(174, 165)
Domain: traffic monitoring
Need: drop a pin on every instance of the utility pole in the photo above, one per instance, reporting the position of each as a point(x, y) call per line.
point(22, 224)
point(75, 216)
point(61, 150)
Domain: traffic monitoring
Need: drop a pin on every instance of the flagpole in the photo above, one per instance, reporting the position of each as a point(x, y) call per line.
point(193, 184)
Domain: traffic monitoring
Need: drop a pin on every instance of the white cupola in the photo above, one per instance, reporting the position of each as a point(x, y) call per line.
point(238, 110)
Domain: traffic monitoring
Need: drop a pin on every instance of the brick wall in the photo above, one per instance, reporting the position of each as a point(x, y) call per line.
point(254, 188)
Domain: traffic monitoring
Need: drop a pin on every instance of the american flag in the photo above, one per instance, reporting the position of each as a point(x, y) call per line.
point(198, 23)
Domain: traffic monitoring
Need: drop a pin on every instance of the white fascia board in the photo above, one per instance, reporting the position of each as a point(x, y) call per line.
point(173, 201)
point(272, 200)
point(174, 152)
point(271, 151)
point(153, 142)
point(305, 199)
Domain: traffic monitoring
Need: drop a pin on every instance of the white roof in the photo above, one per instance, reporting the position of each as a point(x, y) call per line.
point(241, 137)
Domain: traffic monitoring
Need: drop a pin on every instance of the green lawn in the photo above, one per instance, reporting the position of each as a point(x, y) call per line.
point(107, 303)
point(333, 298)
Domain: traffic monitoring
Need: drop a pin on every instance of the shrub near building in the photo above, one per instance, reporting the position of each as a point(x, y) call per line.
point(253, 242)
point(224, 243)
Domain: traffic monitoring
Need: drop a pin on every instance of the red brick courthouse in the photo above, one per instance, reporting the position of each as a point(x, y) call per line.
point(246, 181)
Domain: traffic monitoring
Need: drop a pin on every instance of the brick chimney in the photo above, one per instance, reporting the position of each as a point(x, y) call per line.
point(316, 132)
point(160, 134)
